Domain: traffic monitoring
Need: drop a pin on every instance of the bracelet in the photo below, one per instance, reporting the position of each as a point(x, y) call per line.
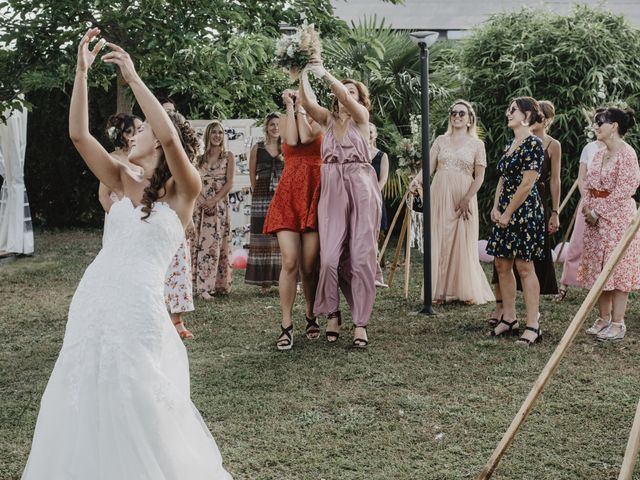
point(554, 211)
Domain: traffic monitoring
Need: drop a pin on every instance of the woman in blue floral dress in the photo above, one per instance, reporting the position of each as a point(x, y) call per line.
point(518, 234)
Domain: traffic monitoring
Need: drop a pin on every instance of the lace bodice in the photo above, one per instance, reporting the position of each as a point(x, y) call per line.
point(462, 159)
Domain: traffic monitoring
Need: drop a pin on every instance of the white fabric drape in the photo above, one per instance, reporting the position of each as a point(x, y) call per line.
point(16, 231)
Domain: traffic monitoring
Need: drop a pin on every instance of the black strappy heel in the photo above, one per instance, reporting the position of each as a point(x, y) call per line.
point(332, 336)
point(285, 340)
point(510, 332)
point(492, 321)
point(526, 341)
point(312, 330)
point(360, 342)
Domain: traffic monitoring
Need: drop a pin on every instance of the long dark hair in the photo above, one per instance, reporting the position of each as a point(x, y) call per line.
point(156, 188)
point(117, 126)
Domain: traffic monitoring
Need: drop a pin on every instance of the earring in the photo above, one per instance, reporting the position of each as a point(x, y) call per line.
point(468, 125)
point(524, 124)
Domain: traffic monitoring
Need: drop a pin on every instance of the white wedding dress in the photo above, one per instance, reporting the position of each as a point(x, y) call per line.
point(117, 405)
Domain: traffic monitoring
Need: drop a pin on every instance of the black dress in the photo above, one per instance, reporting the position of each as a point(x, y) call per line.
point(375, 163)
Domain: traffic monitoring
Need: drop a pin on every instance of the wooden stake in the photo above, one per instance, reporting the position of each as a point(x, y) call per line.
point(568, 232)
point(407, 255)
point(563, 346)
point(566, 199)
point(393, 224)
point(633, 447)
point(396, 256)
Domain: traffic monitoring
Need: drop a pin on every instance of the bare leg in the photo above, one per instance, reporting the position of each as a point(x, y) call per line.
point(605, 305)
point(531, 291)
point(498, 309)
point(290, 249)
point(176, 319)
point(619, 308)
point(507, 291)
point(309, 268)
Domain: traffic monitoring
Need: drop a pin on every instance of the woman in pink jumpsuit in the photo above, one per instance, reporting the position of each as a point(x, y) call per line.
point(349, 206)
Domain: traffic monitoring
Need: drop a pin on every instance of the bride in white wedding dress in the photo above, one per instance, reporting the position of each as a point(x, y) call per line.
point(117, 405)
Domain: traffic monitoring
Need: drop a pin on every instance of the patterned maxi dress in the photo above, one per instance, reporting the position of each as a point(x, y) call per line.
point(620, 178)
point(456, 270)
point(211, 238)
point(523, 237)
point(264, 262)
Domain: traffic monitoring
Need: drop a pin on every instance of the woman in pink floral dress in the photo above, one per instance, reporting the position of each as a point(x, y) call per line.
point(608, 209)
point(211, 239)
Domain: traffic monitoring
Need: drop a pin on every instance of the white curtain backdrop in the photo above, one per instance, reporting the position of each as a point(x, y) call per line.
point(16, 232)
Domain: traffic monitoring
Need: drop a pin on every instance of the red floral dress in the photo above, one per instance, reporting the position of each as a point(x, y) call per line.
point(295, 204)
point(620, 177)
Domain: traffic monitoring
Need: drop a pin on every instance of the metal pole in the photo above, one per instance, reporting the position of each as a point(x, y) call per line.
point(426, 200)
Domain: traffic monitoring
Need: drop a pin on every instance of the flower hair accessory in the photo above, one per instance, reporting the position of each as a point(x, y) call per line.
point(112, 132)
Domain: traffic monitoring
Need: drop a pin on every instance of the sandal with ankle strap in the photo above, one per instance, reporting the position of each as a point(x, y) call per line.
point(360, 342)
point(562, 292)
point(493, 321)
point(332, 336)
point(285, 340)
point(184, 334)
point(526, 341)
point(312, 330)
point(511, 331)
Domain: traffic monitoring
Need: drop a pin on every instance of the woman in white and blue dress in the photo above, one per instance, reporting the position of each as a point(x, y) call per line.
point(117, 404)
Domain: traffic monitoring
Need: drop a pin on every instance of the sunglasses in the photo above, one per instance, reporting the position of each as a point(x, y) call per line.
point(512, 110)
point(600, 122)
point(458, 113)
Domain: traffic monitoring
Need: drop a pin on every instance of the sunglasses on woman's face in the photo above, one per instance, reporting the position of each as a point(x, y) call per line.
point(600, 122)
point(457, 113)
point(512, 110)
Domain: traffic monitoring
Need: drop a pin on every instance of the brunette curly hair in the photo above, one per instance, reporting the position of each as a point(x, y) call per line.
point(156, 188)
point(117, 126)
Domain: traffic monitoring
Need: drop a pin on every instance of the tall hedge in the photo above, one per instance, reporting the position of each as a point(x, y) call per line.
point(578, 61)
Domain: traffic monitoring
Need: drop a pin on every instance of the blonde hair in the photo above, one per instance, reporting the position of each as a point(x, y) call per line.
point(548, 109)
point(202, 159)
point(472, 128)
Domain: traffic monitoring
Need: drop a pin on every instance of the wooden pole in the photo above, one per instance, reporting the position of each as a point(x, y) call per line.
point(407, 255)
point(563, 346)
point(396, 256)
point(568, 232)
point(633, 447)
point(566, 199)
point(393, 224)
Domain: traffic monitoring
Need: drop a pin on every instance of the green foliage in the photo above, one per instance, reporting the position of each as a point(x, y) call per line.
point(580, 61)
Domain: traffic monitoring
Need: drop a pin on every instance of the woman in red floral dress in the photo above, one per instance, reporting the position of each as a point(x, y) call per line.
point(608, 208)
point(293, 216)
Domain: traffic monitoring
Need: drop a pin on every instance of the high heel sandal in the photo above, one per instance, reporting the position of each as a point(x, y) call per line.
point(562, 292)
point(285, 340)
point(511, 331)
point(184, 334)
point(312, 330)
point(526, 341)
point(492, 321)
point(360, 342)
point(332, 336)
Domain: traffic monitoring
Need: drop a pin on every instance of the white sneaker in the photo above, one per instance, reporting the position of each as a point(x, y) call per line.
point(613, 335)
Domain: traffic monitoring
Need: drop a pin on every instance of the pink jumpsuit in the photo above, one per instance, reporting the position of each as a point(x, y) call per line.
point(348, 222)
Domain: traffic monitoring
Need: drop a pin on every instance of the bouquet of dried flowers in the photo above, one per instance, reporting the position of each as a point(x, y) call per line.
point(294, 52)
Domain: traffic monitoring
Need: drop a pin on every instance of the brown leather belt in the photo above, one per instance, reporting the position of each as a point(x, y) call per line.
point(599, 193)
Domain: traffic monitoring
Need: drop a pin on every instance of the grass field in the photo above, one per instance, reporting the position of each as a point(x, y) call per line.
point(430, 398)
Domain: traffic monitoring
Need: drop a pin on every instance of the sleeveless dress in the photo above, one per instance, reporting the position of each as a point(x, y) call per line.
point(117, 404)
point(295, 204)
point(348, 225)
point(264, 261)
point(178, 294)
point(456, 270)
point(211, 236)
point(376, 163)
point(523, 237)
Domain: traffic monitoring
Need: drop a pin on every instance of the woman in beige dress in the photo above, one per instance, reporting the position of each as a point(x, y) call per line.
point(458, 159)
point(211, 239)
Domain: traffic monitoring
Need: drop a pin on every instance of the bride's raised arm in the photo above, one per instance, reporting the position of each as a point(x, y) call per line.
point(103, 165)
point(186, 177)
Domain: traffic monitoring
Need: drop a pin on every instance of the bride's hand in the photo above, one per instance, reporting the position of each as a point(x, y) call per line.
point(121, 58)
point(86, 57)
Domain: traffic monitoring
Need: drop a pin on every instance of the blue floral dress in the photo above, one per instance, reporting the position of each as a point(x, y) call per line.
point(524, 236)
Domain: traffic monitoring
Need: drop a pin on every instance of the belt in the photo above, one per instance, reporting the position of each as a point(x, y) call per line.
point(599, 193)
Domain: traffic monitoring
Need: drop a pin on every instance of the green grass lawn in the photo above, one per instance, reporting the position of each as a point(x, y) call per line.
point(430, 398)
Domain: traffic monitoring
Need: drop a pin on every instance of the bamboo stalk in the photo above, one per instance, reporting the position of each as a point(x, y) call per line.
point(633, 447)
point(393, 224)
point(396, 256)
point(563, 346)
point(568, 232)
point(566, 199)
point(407, 261)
